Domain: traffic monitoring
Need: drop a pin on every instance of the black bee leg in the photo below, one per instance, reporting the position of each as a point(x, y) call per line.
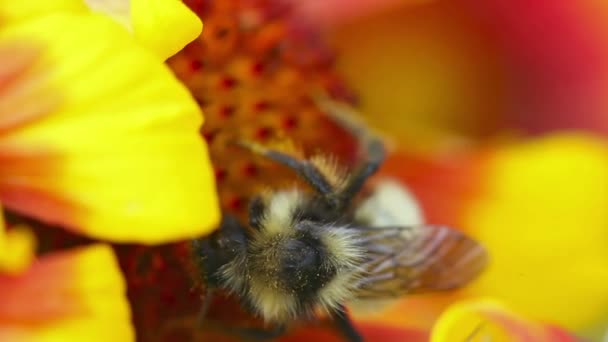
point(254, 334)
point(303, 168)
point(345, 325)
point(245, 333)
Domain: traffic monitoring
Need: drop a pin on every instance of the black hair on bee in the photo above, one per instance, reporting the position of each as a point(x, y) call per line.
point(311, 250)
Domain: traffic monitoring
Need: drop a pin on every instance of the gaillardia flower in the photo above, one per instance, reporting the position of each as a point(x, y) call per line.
point(98, 137)
point(245, 74)
point(254, 71)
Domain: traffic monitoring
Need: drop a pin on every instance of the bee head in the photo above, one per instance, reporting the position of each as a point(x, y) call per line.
point(296, 264)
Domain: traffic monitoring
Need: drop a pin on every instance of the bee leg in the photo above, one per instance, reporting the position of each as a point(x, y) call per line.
point(253, 334)
point(303, 168)
point(345, 325)
point(245, 333)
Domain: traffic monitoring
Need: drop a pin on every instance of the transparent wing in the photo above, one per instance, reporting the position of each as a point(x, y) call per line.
point(415, 259)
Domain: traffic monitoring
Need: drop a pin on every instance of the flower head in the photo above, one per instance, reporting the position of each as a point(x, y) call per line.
point(98, 137)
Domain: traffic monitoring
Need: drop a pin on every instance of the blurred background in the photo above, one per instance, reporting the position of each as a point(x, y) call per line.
point(453, 71)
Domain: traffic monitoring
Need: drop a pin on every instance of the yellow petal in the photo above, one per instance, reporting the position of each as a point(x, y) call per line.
point(11, 10)
point(117, 154)
point(17, 247)
point(164, 26)
point(489, 320)
point(543, 218)
point(119, 10)
point(78, 295)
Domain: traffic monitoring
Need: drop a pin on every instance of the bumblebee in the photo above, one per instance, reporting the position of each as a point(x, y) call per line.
point(318, 249)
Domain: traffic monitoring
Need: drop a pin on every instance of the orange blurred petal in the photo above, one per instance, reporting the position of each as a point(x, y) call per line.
point(20, 83)
point(441, 183)
point(72, 296)
point(17, 59)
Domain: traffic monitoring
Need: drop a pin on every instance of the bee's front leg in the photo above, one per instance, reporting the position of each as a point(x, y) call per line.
point(257, 334)
point(345, 326)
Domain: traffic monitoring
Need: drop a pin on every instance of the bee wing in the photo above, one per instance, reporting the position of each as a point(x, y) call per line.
point(415, 259)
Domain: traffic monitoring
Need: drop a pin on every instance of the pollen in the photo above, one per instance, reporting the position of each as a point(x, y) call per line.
point(254, 71)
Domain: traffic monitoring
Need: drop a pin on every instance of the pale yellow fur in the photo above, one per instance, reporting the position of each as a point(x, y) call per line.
point(281, 206)
point(342, 245)
point(273, 304)
point(329, 167)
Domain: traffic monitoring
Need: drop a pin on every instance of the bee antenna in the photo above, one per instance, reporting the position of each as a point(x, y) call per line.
point(369, 142)
point(349, 119)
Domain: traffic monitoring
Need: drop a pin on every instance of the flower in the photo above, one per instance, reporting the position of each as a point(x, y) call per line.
point(131, 169)
point(98, 137)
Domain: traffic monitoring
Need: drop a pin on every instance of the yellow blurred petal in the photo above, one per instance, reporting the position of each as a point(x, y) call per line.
point(119, 156)
point(544, 219)
point(17, 248)
point(164, 26)
point(489, 320)
point(23, 9)
point(78, 295)
point(119, 10)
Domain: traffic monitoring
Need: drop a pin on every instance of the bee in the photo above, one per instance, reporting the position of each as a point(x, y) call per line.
point(316, 250)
